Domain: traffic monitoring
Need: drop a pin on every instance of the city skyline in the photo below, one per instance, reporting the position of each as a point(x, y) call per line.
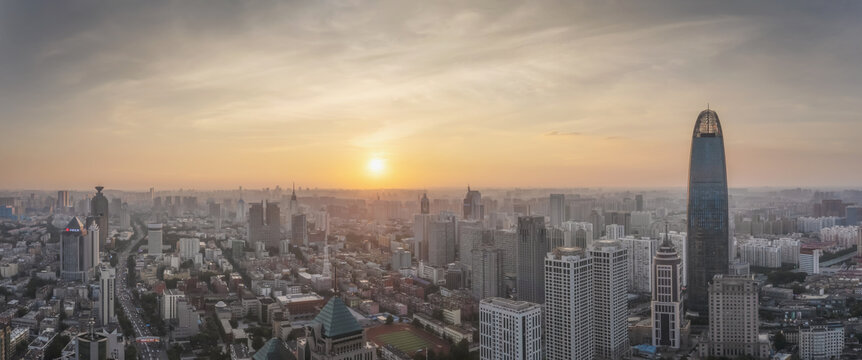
point(391, 95)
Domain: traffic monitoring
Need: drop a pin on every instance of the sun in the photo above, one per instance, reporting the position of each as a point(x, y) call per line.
point(376, 166)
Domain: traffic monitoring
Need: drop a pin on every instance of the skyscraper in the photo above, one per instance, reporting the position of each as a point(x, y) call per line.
point(79, 253)
point(99, 211)
point(424, 205)
point(667, 297)
point(487, 273)
point(298, 230)
point(569, 305)
point(610, 321)
point(264, 226)
point(473, 208)
point(63, 200)
point(532, 248)
point(107, 278)
point(510, 329)
point(641, 252)
point(557, 209)
point(708, 222)
point(154, 239)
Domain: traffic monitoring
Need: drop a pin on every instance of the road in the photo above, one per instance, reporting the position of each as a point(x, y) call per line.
point(148, 351)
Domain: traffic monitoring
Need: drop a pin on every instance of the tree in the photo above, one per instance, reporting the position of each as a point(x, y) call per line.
point(389, 319)
point(780, 341)
point(131, 352)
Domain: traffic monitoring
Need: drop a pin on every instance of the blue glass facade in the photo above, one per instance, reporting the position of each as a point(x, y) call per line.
point(708, 221)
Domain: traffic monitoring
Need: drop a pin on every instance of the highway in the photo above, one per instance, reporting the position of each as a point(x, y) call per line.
point(148, 351)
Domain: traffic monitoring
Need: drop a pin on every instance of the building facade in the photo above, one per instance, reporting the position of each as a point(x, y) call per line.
point(532, 249)
point(708, 220)
point(666, 305)
point(510, 330)
point(610, 322)
point(569, 305)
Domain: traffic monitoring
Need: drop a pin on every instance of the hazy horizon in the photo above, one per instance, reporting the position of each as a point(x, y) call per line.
point(357, 95)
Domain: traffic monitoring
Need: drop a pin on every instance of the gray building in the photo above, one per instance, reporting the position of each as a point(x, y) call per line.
point(532, 248)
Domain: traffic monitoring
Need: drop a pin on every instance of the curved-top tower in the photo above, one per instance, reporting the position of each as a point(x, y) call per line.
point(99, 210)
point(708, 222)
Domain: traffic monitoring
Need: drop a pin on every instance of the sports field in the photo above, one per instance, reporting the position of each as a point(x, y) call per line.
point(405, 341)
point(406, 338)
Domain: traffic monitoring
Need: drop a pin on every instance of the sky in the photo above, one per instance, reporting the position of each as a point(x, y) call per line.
point(419, 94)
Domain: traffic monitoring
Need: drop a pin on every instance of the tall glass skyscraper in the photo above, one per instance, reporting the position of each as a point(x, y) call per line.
point(708, 222)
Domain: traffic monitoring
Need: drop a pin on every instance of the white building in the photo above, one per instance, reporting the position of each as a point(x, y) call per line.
point(641, 253)
point(760, 253)
point(610, 284)
point(845, 236)
point(557, 209)
point(154, 239)
point(510, 330)
point(614, 231)
point(569, 305)
point(169, 303)
point(789, 249)
point(469, 238)
point(640, 223)
point(107, 280)
point(401, 259)
point(821, 342)
point(809, 261)
point(189, 247)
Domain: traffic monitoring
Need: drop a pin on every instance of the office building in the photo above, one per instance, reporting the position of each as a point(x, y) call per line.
point(509, 329)
point(532, 248)
point(809, 261)
point(487, 273)
point(569, 305)
point(470, 234)
point(189, 247)
point(639, 202)
point(335, 335)
point(641, 252)
point(401, 259)
point(154, 240)
point(507, 242)
point(641, 221)
point(821, 341)
point(708, 221)
point(578, 234)
point(264, 224)
point(107, 280)
point(734, 319)
point(169, 303)
point(557, 209)
point(79, 253)
point(99, 211)
point(610, 284)
point(614, 231)
point(666, 305)
point(91, 345)
point(63, 201)
point(424, 205)
point(421, 234)
point(299, 230)
point(441, 241)
point(473, 208)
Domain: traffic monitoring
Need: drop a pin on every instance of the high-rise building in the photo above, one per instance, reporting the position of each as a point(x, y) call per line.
point(853, 215)
point(293, 205)
point(169, 303)
point(509, 329)
point(424, 205)
point(641, 252)
point(679, 240)
point(299, 230)
point(639, 202)
point(473, 208)
point(335, 335)
point(154, 240)
point(91, 345)
point(107, 279)
point(641, 222)
point(507, 242)
point(610, 283)
point(821, 341)
point(614, 231)
point(809, 261)
point(264, 224)
point(189, 247)
point(532, 248)
point(557, 209)
point(469, 238)
point(569, 305)
point(666, 305)
point(99, 211)
point(733, 319)
point(421, 235)
point(441, 241)
point(79, 253)
point(708, 221)
point(487, 273)
point(63, 201)
point(578, 234)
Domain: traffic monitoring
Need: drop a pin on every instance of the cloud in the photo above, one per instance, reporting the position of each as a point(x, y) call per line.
point(558, 133)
